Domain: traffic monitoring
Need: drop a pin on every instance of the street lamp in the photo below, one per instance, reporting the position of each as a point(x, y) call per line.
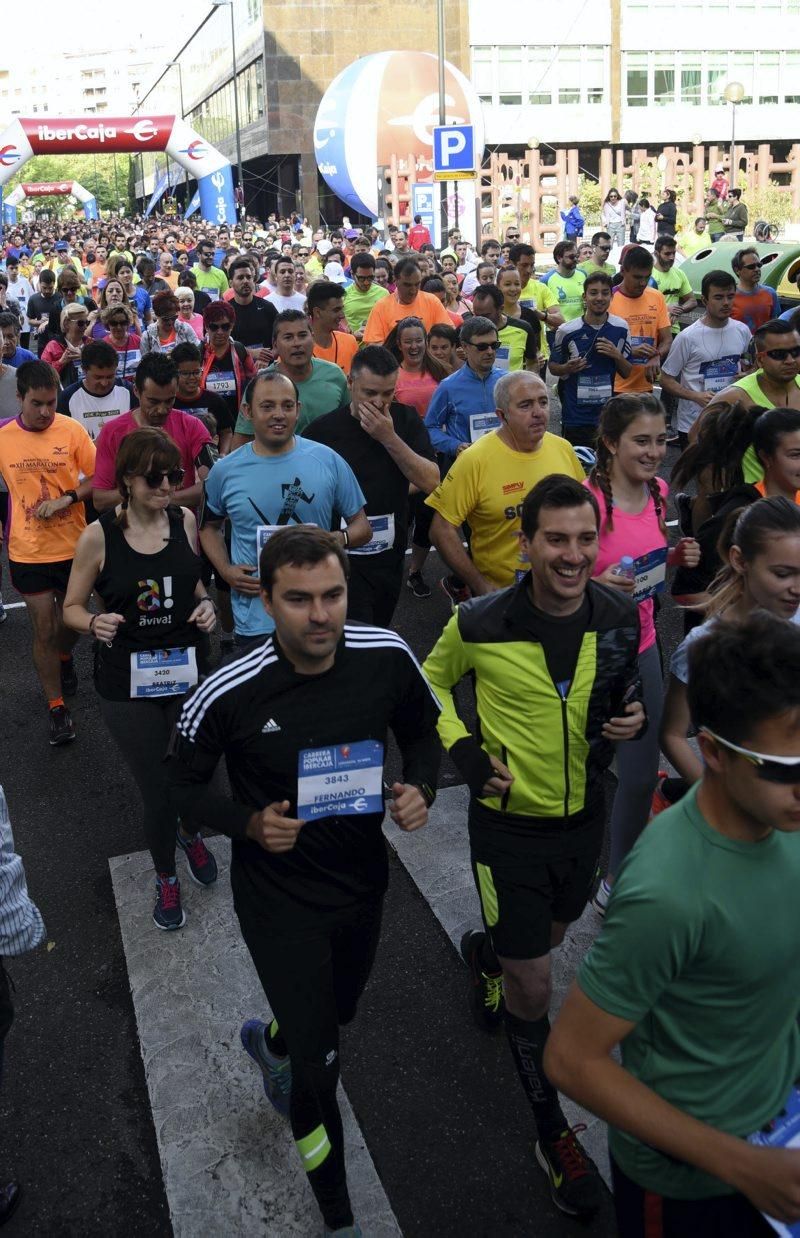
point(221, 4)
point(734, 92)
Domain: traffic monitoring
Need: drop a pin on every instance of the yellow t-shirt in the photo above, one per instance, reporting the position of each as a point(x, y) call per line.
point(40, 465)
point(486, 486)
point(539, 296)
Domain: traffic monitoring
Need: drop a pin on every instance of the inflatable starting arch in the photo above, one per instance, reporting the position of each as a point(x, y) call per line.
point(46, 135)
point(45, 189)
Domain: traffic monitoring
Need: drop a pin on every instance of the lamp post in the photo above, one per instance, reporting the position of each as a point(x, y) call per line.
point(734, 92)
point(222, 4)
point(443, 215)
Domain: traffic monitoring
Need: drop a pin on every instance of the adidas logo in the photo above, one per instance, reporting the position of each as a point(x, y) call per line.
point(269, 726)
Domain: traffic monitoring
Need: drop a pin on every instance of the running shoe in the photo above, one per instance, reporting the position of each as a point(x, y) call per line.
point(416, 583)
point(349, 1231)
point(659, 801)
point(277, 1071)
point(202, 865)
point(168, 913)
point(62, 730)
point(69, 678)
point(10, 1195)
point(486, 989)
point(602, 895)
point(457, 593)
point(573, 1177)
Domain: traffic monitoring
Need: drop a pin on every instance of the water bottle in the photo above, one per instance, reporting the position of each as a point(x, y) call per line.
point(625, 568)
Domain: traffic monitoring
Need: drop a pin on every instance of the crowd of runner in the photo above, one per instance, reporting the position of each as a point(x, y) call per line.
point(224, 452)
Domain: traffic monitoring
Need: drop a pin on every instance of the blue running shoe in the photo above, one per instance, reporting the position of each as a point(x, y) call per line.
point(168, 913)
point(202, 865)
point(277, 1071)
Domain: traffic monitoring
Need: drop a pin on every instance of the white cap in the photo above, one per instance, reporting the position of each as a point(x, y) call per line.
point(720, 167)
point(323, 247)
point(334, 271)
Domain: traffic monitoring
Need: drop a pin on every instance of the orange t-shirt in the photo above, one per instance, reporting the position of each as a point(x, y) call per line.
point(646, 316)
point(761, 487)
point(341, 352)
point(40, 465)
point(386, 313)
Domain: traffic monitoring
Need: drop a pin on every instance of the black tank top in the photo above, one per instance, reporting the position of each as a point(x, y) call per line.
point(154, 592)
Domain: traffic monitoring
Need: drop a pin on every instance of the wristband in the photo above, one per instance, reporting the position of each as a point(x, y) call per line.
point(73, 494)
point(210, 600)
point(345, 538)
point(92, 622)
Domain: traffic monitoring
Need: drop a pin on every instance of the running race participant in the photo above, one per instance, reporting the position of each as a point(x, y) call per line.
point(227, 365)
point(191, 398)
point(13, 355)
point(363, 293)
point(119, 322)
point(683, 945)
point(671, 281)
point(707, 356)
point(462, 409)
point(389, 451)
point(587, 355)
point(406, 302)
point(567, 282)
point(776, 383)
point(556, 684)
point(486, 485)
point(99, 395)
point(168, 329)
point(645, 311)
point(760, 551)
point(519, 342)
point(321, 386)
point(47, 462)
point(325, 312)
point(274, 480)
point(535, 296)
point(420, 373)
point(754, 303)
point(255, 316)
point(209, 278)
point(308, 871)
point(156, 385)
point(601, 248)
point(141, 561)
point(632, 498)
point(283, 296)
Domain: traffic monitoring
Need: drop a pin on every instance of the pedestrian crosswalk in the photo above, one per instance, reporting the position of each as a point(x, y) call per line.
point(228, 1161)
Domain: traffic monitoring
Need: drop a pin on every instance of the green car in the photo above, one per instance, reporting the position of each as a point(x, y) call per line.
point(780, 269)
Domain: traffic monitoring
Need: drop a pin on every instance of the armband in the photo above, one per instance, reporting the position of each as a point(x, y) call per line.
point(207, 456)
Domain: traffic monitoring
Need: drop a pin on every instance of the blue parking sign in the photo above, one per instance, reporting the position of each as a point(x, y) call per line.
point(454, 148)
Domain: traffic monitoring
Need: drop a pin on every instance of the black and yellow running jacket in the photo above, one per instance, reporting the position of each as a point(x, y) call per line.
point(549, 736)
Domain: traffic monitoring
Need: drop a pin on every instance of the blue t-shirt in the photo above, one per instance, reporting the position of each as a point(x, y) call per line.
point(584, 394)
point(143, 303)
point(19, 356)
point(308, 485)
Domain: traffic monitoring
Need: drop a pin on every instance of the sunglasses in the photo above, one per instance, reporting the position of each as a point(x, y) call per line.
point(155, 477)
point(118, 322)
point(79, 322)
point(485, 347)
point(768, 768)
point(781, 354)
point(750, 266)
point(219, 326)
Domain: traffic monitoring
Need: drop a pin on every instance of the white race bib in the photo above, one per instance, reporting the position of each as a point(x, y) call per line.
point(221, 382)
point(650, 574)
point(163, 672)
point(501, 357)
point(482, 423)
point(340, 780)
point(382, 536)
point(594, 388)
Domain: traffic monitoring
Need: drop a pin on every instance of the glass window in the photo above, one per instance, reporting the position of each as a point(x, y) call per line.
point(717, 78)
point(510, 75)
point(541, 61)
point(636, 71)
point(593, 73)
point(691, 80)
point(791, 77)
point(482, 70)
point(569, 75)
point(767, 79)
point(742, 66)
point(664, 79)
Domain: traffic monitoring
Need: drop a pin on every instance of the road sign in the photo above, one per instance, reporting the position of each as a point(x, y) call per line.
point(454, 150)
point(423, 203)
point(454, 176)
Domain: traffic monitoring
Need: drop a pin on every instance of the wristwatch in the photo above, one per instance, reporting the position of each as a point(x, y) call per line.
point(73, 494)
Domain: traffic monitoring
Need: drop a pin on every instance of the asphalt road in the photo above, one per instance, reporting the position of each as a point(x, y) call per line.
point(75, 1121)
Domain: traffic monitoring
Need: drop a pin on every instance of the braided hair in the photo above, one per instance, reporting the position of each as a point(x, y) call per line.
point(618, 413)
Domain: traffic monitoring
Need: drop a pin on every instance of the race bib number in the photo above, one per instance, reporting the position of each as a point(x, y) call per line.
point(594, 388)
point(163, 672)
point(636, 340)
point(382, 536)
point(221, 382)
point(264, 533)
point(128, 361)
point(650, 574)
point(340, 780)
point(482, 423)
point(502, 357)
point(719, 374)
point(211, 293)
point(782, 1132)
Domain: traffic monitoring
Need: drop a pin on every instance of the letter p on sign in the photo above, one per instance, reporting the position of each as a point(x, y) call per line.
point(453, 148)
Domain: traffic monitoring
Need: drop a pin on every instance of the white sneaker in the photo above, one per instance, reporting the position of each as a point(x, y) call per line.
point(600, 900)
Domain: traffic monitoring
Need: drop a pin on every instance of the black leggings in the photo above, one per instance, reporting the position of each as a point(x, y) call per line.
point(313, 978)
point(645, 1214)
point(142, 730)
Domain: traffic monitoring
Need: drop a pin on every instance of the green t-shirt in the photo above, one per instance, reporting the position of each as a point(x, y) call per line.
point(357, 304)
point(569, 292)
point(752, 468)
point(591, 268)
point(518, 339)
point(213, 281)
point(672, 285)
point(699, 951)
point(322, 392)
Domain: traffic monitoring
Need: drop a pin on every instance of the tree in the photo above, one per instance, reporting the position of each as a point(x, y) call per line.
point(95, 172)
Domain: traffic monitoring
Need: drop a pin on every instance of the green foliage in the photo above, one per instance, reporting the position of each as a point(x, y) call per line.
point(772, 204)
point(590, 202)
point(95, 172)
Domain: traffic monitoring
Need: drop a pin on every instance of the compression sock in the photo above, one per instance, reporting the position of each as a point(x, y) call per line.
point(56, 701)
point(527, 1041)
point(275, 1042)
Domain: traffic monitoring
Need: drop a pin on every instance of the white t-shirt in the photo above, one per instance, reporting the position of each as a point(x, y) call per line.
point(296, 301)
point(22, 291)
point(705, 358)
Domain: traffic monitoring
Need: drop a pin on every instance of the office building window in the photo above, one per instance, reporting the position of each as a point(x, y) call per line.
point(509, 75)
point(482, 73)
point(664, 79)
point(637, 79)
point(594, 75)
point(691, 81)
point(540, 75)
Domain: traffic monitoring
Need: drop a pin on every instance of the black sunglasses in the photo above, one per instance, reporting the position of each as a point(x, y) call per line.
point(768, 768)
point(219, 326)
point(750, 266)
point(484, 347)
point(155, 477)
point(780, 354)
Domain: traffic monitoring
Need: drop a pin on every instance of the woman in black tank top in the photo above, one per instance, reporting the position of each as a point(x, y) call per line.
point(141, 561)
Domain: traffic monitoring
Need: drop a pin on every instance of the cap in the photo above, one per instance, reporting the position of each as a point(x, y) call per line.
point(351, 234)
point(61, 247)
point(719, 168)
point(323, 247)
point(334, 271)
